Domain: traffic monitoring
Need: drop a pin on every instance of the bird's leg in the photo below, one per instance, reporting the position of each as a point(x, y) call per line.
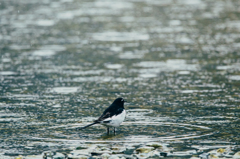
point(108, 130)
point(114, 130)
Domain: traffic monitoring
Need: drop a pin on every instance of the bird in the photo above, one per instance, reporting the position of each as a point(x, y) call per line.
point(113, 116)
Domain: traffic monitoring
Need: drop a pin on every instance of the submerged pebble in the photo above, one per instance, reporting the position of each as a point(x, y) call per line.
point(154, 144)
point(34, 157)
point(77, 156)
point(141, 151)
point(237, 155)
point(105, 155)
point(144, 149)
point(59, 156)
point(114, 157)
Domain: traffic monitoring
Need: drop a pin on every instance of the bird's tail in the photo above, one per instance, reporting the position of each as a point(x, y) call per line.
point(86, 126)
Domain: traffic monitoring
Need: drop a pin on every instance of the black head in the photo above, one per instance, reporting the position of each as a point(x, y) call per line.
point(119, 102)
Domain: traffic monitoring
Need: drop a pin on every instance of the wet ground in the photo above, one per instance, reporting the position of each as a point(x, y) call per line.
point(176, 62)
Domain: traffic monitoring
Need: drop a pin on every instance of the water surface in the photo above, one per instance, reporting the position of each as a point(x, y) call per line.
point(63, 62)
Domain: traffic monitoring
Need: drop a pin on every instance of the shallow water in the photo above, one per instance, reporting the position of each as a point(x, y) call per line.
point(175, 62)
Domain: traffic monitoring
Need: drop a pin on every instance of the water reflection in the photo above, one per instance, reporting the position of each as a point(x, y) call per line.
point(120, 36)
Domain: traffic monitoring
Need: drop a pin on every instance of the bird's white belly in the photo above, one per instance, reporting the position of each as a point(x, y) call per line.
point(115, 120)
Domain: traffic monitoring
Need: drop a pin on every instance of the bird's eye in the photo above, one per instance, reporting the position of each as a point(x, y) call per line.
point(122, 100)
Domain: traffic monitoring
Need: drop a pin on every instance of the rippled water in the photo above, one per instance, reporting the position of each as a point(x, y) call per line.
point(62, 62)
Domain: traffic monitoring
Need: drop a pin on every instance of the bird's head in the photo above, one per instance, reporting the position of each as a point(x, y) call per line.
point(119, 101)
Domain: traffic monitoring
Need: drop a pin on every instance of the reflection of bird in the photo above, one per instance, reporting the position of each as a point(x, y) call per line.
point(113, 116)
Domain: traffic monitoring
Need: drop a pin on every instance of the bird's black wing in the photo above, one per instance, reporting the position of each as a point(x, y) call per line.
point(103, 116)
point(109, 113)
point(119, 111)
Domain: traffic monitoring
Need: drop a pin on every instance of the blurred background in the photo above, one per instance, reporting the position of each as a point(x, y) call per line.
point(62, 62)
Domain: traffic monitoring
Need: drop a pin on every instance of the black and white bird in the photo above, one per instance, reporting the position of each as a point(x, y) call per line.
point(113, 116)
